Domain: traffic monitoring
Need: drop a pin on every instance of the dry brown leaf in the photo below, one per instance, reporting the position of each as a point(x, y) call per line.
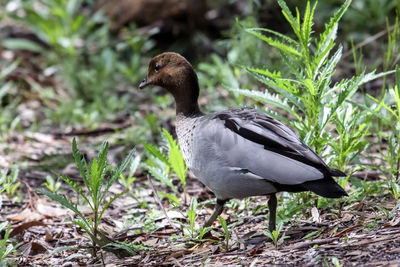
point(26, 215)
point(49, 210)
point(177, 252)
point(49, 237)
point(151, 242)
point(21, 228)
point(37, 248)
point(349, 229)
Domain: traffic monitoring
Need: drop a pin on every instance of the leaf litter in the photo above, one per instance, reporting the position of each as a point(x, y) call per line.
point(360, 236)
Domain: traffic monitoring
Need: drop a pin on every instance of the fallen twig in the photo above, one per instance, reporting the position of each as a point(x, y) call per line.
point(105, 128)
point(157, 199)
point(369, 40)
point(313, 242)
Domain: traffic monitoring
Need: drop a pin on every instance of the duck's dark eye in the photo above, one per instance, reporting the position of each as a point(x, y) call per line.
point(157, 67)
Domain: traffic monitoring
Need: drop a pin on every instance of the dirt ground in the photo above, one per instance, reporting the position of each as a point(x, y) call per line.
point(359, 235)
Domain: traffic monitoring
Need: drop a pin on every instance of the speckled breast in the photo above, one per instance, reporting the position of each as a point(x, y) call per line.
point(185, 129)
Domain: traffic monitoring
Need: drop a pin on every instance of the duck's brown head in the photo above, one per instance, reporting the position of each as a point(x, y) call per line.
point(174, 73)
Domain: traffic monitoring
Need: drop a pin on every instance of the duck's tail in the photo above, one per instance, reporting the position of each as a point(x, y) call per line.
point(326, 187)
point(336, 173)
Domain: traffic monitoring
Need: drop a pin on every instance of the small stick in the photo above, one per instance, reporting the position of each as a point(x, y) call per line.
point(369, 40)
point(157, 199)
point(31, 199)
point(309, 243)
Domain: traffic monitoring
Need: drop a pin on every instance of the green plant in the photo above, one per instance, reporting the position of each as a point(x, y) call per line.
point(227, 234)
point(52, 184)
point(240, 49)
point(175, 160)
point(314, 233)
point(9, 183)
point(127, 181)
point(69, 33)
point(192, 216)
point(359, 65)
point(392, 53)
point(159, 165)
point(190, 230)
point(306, 93)
point(79, 48)
point(362, 190)
point(274, 235)
point(336, 262)
point(8, 104)
point(352, 126)
point(293, 205)
point(392, 119)
point(394, 188)
point(135, 44)
point(98, 177)
point(7, 246)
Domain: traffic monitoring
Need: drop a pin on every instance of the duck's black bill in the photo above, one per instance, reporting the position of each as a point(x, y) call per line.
point(144, 83)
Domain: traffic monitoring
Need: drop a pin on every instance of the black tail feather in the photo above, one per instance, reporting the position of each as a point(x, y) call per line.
point(325, 187)
point(336, 173)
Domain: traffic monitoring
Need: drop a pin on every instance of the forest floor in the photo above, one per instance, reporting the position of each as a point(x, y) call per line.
point(356, 235)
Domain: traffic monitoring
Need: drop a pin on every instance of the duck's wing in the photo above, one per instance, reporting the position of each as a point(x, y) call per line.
point(263, 129)
point(255, 142)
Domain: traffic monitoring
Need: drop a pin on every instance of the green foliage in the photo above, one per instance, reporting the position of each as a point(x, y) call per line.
point(240, 49)
point(392, 119)
point(172, 198)
point(8, 103)
point(227, 234)
point(306, 93)
point(98, 177)
point(352, 127)
point(7, 246)
point(274, 235)
point(336, 262)
point(52, 184)
point(368, 16)
point(365, 190)
point(192, 216)
point(314, 234)
point(190, 230)
point(84, 54)
point(69, 33)
point(127, 181)
point(392, 54)
point(175, 158)
point(159, 165)
point(9, 183)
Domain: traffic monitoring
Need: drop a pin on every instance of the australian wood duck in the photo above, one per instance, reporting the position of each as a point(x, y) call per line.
point(238, 152)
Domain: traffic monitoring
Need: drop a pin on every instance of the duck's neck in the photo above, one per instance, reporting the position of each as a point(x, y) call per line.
point(186, 96)
point(186, 108)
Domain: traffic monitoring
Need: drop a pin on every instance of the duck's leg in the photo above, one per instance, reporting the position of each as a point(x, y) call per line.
point(272, 202)
point(219, 207)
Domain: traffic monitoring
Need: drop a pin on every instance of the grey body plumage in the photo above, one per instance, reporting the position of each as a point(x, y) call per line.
point(234, 166)
point(239, 152)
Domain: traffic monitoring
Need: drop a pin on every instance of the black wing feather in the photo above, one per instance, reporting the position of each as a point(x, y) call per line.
point(277, 137)
point(283, 141)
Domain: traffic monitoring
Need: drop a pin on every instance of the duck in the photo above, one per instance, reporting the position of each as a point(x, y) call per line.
point(239, 152)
